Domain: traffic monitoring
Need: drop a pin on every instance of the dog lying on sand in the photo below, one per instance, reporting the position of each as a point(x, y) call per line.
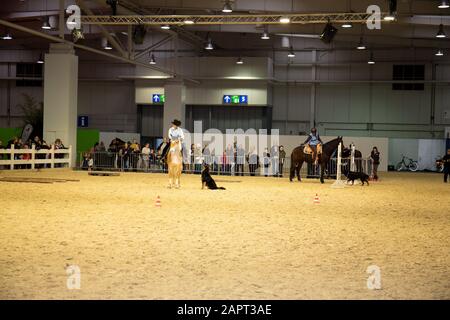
point(207, 180)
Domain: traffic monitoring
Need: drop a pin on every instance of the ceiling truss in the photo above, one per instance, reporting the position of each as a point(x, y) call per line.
point(179, 20)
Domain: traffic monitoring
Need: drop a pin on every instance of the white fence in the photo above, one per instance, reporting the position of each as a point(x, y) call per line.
point(32, 158)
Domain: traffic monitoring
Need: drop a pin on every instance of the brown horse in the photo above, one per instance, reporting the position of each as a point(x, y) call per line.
point(174, 163)
point(298, 157)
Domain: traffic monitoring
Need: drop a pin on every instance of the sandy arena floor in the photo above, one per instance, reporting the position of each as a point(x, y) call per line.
point(262, 238)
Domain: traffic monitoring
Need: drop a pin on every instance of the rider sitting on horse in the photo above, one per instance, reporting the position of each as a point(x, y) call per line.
point(314, 142)
point(175, 134)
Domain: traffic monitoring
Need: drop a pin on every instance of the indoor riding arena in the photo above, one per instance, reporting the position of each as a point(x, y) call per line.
point(224, 150)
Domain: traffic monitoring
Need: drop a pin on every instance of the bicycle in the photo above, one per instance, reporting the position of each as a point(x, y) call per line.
point(407, 164)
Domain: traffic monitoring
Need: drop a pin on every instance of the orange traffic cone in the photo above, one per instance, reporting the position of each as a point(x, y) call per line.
point(316, 199)
point(158, 202)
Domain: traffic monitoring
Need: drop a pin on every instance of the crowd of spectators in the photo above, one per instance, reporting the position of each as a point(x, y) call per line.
point(234, 160)
point(38, 145)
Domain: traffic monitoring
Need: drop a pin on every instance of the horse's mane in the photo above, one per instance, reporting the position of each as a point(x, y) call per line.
point(331, 145)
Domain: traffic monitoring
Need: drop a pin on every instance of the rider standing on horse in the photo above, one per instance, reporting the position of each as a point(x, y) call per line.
point(314, 142)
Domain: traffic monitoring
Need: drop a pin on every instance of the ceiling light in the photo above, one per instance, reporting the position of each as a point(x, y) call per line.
point(265, 36)
point(107, 46)
point(165, 27)
point(371, 60)
point(285, 19)
point(152, 59)
point(439, 53)
point(7, 37)
point(46, 25)
point(227, 7)
point(444, 4)
point(188, 21)
point(441, 33)
point(347, 25)
point(361, 45)
point(240, 61)
point(40, 60)
point(291, 53)
point(392, 11)
point(209, 46)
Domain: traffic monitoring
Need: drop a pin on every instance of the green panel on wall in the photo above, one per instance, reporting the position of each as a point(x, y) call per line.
point(86, 138)
point(7, 134)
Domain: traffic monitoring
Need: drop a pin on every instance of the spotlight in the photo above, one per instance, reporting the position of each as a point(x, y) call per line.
point(77, 34)
point(392, 11)
point(113, 5)
point(227, 7)
point(361, 45)
point(240, 61)
point(439, 53)
point(209, 46)
point(165, 27)
point(46, 24)
point(40, 60)
point(347, 25)
point(285, 19)
point(444, 4)
point(328, 33)
point(265, 36)
point(152, 59)
point(441, 33)
point(371, 60)
point(291, 53)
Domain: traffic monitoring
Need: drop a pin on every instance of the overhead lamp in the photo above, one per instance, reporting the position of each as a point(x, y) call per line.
point(188, 21)
point(392, 11)
point(285, 19)
point(347, 25)
point(7, 36)
point(441, 33)
point(265, 36)
point(105, 44)
point(165, 27)
point(291, 53)
point(240, 61)
point(40, 60)
point(152, 59)
point(209, 45)
point(46, 24)
point(444, 4)
point(361, 45)
point(439, 53)
point(371, 60)
point(227, 7)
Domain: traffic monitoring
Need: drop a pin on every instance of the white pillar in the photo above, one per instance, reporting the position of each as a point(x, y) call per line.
point(60, 96)
point(174, 105)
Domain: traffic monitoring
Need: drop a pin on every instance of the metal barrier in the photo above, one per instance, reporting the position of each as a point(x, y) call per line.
point(249, 165)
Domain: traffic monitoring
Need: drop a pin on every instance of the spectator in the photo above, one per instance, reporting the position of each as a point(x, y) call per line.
point(146, 156)
point(274, 159)
point(240, 160)
point(229, 153)
point(266, 161)
point(198, 158)
point(282, 155)
point(446, 162)
point(375, 156)
point(252, 161)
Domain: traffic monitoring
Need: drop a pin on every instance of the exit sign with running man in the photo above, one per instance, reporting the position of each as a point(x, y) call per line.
point(235, 99)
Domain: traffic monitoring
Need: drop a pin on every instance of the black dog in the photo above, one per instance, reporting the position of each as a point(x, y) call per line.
point(207, 180)
point(352, 176)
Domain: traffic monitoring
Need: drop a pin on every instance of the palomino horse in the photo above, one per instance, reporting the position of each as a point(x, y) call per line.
point(298, 157)
point(174, 163)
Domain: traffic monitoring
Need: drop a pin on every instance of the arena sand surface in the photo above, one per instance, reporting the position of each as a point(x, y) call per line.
point(262, 238)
